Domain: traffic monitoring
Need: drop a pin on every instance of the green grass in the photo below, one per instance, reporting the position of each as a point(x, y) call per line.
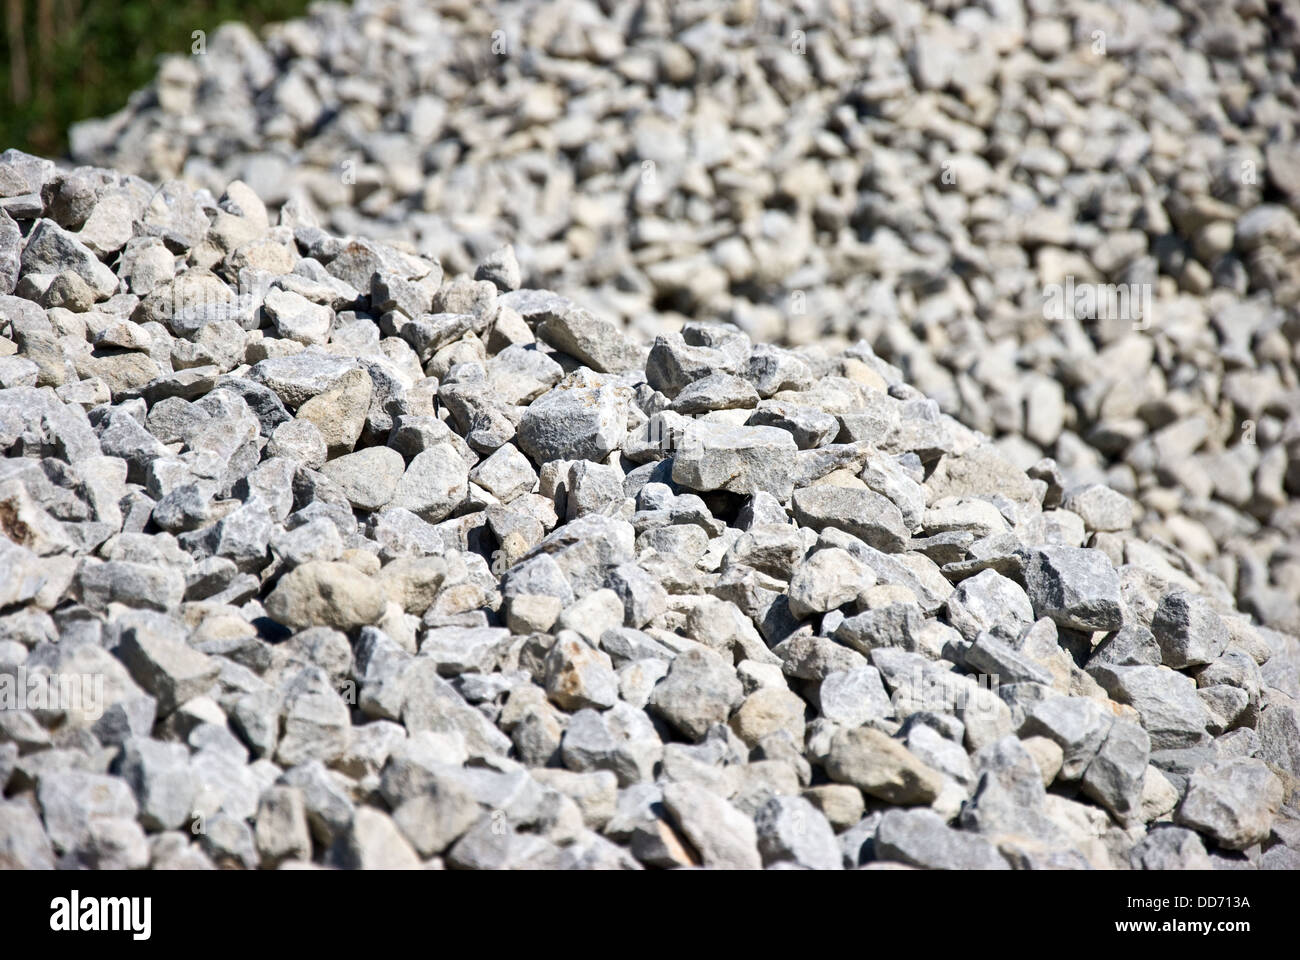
point(66, 60)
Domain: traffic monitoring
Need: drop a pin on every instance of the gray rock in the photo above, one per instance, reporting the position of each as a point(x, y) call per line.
point(241, 536)
point(743, 460)
point(622, 740)
point(296, 378)
point(792, 830)
point(464, 650)
point(372, 841)
point(1279, 735)
point(940, 751)
point(298, 440)
point(73, 800)
point(828, 579)
point(115, 843)
point(582, 417)
point(296, 318)
point(326, 594)
point(809, 426)
point(229, 843)
point(164, 665)
point(592, 488)
point(810, 657)
point(329, 808)
point(506, 474)
point(316, 723)
point(51, 250)
point(895, 625)
point(132, 584)
point(1188, 631)
point(673, 364)
point(159, 774)
point(596, 794)
point(431, 703)
point(1168, 847)
point(392, 291)
point(11, 243)
point(1078, 725)
point(852, 698)
point(1233, 802)
point(1132, 646)
point(643, 597)
point(521, 373)
point(490, 846)
point(773, 549)
point(316, 540)
point(501, 268)
point(1100, 507)
point(1009, 797)
point(281, 831)
point(1166, 703)
point(881, 767)
point(434, 484)
point(699, 690)
point(1078, 589)
point(433, 820)
point(719, 391)
point(920, 838)
point(579, 676)
point(23, 842)
point(594, 341)
point(989, 602)
point(583, 549)
point(863, 513)
point(725, 838)
point(1116, 774)
point(992, 657)
point(373, 477)
point(539, 575)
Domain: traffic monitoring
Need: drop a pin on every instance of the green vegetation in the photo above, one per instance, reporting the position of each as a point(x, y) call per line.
point(65, 60)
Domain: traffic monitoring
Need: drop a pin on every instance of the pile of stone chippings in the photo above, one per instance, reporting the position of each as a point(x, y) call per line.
point(374, 566)
point(908, 173)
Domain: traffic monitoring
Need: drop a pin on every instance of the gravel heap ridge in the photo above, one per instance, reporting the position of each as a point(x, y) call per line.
point(315, 555)
point(925, 176)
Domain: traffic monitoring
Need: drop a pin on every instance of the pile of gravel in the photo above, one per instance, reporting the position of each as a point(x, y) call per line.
point(914, 174)
point(313, 554)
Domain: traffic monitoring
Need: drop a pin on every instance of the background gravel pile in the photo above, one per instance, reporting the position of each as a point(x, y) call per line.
point(373, 566)
point(913, 174)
